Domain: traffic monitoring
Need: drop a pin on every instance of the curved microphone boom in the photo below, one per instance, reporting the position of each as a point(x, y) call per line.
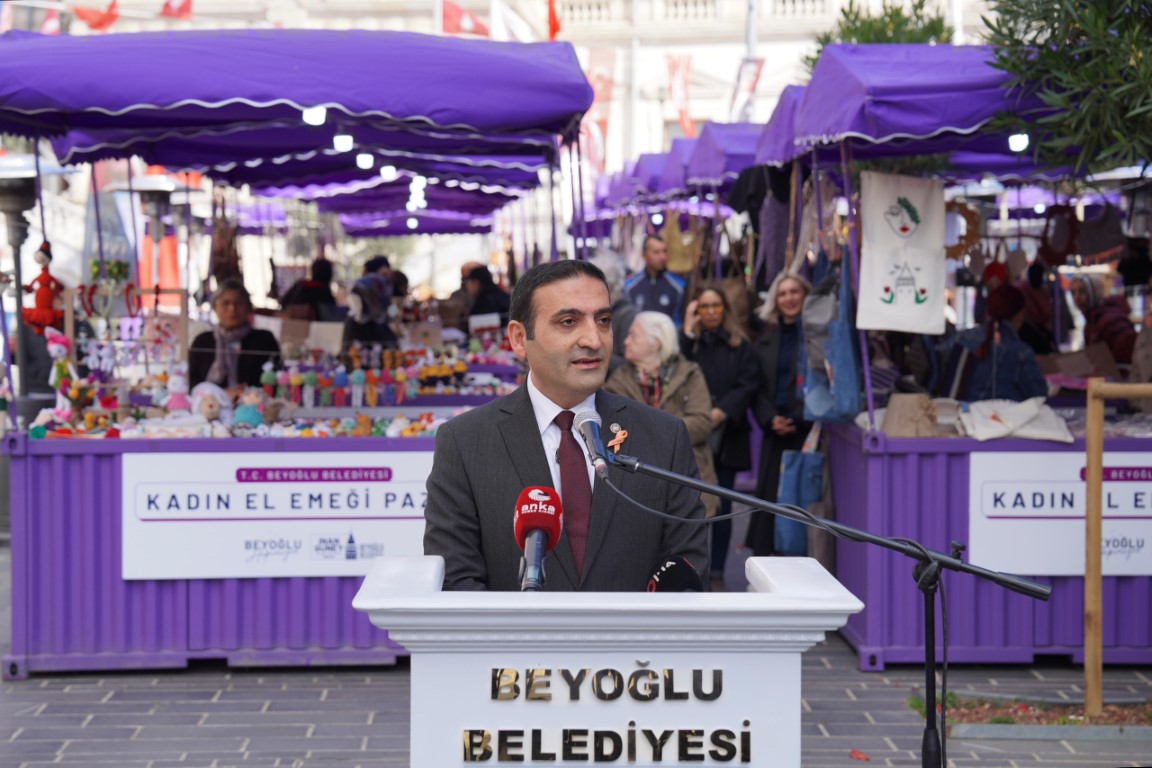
point(587, 424)
point(537, 523)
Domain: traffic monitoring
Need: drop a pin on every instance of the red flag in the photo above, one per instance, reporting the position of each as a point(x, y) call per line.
point(177, 9)
point(51, 23)
point(679, 80)
point(553, 20)
point(458, 21)
point(96, 19)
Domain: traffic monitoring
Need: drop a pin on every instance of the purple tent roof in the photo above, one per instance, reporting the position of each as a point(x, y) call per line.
point(898, 92)
point(646, 174)
point(223, 146)
point(331, 169)
point(1006, 167)
point(392, 197)
point(777, 143)
point(187, 79)
point(427, 223)
point(671, 182)
point(722, 151)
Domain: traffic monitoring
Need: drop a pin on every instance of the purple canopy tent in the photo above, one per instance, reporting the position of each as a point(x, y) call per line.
point(157, 81)
point(671, 182)
point(646, 175)
point(221, 147)
point(914, 98)
point(427, 223)
point(394, 196)
point(777, 143)
point(721, 152)
point(325, 170)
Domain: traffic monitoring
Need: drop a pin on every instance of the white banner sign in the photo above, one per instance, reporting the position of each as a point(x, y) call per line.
point(257, 515)
point(1026, 513)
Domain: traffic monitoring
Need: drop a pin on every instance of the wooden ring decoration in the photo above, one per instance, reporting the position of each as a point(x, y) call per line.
point(971, 237)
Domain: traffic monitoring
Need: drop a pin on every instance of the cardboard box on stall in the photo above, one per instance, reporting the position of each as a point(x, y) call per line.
point(1095, 360)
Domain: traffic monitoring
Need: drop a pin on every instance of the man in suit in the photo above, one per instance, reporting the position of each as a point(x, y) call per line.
point(562, 325)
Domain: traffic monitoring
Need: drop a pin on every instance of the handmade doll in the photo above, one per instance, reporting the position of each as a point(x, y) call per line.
point(250, 412)
point(63, 372)
point(44, 314)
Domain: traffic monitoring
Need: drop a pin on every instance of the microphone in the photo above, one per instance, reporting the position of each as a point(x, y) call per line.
point(675, 574)
point(537, 524)
point(587, 423)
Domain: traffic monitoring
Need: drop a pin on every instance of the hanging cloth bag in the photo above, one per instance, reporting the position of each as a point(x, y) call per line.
point(801, 477)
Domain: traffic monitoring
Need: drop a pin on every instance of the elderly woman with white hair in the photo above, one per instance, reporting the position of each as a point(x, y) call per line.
point(655, 374)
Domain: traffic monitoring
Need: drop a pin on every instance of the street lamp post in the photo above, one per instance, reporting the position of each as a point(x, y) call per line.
point(18, 196)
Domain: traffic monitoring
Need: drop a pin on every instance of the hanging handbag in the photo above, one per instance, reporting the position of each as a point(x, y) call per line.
point(1061, 232)
point(1102, 238)
point(801, 476)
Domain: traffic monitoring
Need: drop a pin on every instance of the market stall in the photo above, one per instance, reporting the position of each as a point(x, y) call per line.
point(119, 559)
point(1017, 505)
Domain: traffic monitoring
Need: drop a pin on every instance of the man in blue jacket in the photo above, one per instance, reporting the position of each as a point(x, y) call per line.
point(654, 288)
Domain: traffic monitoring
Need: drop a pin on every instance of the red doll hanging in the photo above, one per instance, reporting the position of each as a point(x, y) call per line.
point(44, 313)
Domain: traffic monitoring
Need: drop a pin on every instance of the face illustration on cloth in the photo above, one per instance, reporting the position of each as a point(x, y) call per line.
point(903, 218)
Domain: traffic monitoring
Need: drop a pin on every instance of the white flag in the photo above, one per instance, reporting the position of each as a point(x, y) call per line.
point(505, 24)
point(901, 254)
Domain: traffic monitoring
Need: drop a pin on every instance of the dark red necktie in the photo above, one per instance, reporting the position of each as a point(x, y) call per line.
point(575, 490)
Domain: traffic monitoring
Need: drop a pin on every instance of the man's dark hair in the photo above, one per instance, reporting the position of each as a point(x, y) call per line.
point(322, 271)
point(543, 274)
point(648, 239)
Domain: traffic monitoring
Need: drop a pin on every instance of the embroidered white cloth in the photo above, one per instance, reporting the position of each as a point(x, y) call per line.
point(902, 268)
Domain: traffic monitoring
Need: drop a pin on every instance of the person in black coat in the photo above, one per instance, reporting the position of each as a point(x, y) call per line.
point(312, 299)
point(712, 338)
point(778, 407)
point(487, 297)
point(233, 354)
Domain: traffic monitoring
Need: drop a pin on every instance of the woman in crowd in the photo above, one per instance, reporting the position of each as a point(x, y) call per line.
point(713, 339)
point(994, 364)
point(778, 406)
point(654, 373)
point(1105, 317)
point(231, 355)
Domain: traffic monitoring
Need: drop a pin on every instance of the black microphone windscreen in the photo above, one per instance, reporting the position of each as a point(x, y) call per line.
point(675, 574)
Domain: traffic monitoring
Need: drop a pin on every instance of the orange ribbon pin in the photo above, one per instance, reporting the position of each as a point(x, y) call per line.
point(617, 441)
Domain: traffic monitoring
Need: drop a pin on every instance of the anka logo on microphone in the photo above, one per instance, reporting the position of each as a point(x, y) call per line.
point(543, 503)
point(539, 494)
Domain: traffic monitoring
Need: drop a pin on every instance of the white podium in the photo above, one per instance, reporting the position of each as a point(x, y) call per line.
point(617, 678)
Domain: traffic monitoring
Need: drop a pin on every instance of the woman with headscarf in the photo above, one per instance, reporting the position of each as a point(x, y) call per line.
point(994, 364)
point(1106, 318)
point(654, 373)
point(712, 338)
point(778, 406)
point(231, 355)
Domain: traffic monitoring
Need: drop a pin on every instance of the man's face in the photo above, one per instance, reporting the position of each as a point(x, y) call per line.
point(656, 255)
point(568, 354)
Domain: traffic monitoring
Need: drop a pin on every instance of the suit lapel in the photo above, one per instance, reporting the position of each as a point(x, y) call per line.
point(604, 499)
point(521, 435)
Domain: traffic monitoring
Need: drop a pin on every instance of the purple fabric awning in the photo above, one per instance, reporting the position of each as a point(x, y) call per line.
point(900, 93)
point(721, 152)
point(1006, 167)
point(427, 223)
point(393, 197)
point(646, 174)
point(152, 81)
point(777, 143)
point(222, 147)
point(671, 182)
point(336, 169)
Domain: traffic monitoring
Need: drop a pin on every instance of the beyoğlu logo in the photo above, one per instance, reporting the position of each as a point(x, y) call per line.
point(314, 475)
point(1122, 474)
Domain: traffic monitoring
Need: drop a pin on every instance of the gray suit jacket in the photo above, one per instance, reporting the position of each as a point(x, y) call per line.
point(485, 457)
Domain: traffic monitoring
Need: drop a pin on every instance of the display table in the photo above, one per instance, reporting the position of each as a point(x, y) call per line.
point(277, 586)
point(937, 491)
point(541, 678)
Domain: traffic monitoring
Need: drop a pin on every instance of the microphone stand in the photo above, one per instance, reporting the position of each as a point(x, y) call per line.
point(926, 573)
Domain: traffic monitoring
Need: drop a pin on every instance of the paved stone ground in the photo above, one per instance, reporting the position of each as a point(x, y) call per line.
point(320, 718)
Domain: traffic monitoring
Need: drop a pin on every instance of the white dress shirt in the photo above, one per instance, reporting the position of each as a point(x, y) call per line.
point(546, 411)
